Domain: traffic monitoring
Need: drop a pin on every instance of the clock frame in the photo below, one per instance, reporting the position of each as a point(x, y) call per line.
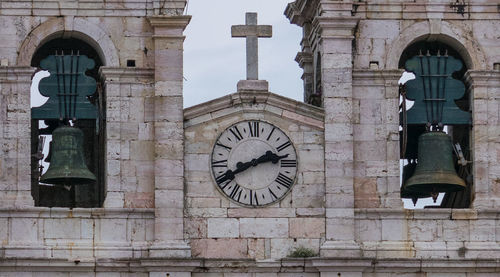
point(254, 163)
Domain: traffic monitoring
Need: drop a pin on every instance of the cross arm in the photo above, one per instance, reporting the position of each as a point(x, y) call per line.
point(264, 31)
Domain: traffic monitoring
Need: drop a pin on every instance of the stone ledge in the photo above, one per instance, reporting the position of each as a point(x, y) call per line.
point(43, 212)
point(427, 214)
point(315, 264)
point(126, 74)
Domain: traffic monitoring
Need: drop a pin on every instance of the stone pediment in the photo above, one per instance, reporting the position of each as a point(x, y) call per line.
point(255, 102)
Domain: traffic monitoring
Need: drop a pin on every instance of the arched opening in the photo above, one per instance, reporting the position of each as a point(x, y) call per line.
point(435, 110)
point(73, 98)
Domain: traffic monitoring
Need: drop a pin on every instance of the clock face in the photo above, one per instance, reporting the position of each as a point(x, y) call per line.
point(254, 163)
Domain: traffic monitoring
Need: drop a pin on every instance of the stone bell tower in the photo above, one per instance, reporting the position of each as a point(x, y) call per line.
point(133, 142)
point(353, 54)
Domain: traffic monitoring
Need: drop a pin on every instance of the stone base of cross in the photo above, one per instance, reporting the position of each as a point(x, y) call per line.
point(252, 85)
point(251, 31)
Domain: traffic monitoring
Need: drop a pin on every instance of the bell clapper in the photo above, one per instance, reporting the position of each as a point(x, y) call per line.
point(414, 200)
point(434, 195)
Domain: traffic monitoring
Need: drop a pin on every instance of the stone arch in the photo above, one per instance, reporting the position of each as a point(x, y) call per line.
point(437, 30)
point(68, 27)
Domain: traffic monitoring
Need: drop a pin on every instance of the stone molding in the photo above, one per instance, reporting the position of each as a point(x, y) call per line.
point(22, 72)
point(446, 31)
point(91, 8)
point(479, 78)
point(304, 59)
point(302, 11)
point(310, 115)
point(363, 77)
point(297, 265)
point(126, 74)
point(176, 23)
point(333, 27)
point(69, 27)
point(44, 212)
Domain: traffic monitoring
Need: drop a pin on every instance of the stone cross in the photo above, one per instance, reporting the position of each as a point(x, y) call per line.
point(251, 31)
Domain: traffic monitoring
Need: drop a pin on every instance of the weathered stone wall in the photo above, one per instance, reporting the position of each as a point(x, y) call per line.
point(75, 235)
point(218, 228)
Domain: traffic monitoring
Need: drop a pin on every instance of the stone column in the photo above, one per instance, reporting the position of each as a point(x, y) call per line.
point(485, 103)
point(15, 136)
point(335, 42)
point(168, 137)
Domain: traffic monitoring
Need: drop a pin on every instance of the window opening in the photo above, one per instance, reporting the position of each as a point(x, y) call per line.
point(67, 129)
point(434, 129)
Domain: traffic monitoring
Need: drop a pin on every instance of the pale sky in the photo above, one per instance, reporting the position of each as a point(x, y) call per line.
point(214, 62)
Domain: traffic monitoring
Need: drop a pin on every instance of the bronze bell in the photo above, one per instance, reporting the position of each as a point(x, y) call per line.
point(408, 171)
point(435, 171)
point(67, 162)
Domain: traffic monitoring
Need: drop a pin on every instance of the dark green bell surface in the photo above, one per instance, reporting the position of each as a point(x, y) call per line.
point(435, 171)
point(67, 162)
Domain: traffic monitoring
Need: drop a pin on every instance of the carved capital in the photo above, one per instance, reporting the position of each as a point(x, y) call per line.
point(334, 27)
point(169, 25)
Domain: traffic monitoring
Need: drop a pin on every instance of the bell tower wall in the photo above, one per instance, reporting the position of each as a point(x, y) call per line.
point(123, 226)
point(374, 42)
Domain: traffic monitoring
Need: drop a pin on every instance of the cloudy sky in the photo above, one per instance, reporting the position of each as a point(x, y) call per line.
point(214, 62)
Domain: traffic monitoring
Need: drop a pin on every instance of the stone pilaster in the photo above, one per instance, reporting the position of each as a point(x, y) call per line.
point(335, 45)
point(15, 122)
point(129, 123)
point(168, 137)
point(485, 102)
point(305, 61)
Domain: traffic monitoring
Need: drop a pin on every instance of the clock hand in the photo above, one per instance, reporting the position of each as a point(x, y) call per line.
point(240, 166)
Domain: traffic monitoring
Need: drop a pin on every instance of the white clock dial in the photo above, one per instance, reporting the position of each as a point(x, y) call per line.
point(254, 163)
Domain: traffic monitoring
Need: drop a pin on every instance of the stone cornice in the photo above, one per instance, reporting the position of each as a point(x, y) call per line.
point(482, 77)
point(24, 73)
point(430, 214)
point(335, 27)
point(42, 212)
point(298, 265)
point(425, 9)
point(170, 22)
point(284, 107)
point(117, 74)
point(304, 58)
point(364, 77)
point(302, 11)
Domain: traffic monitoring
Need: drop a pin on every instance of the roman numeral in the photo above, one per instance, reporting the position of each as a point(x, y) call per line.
point(270, 134)
point(283, 146)
point(221, 163)
point(253, 197)
point(236, 192)
point(236, 133)
point(288, 163)
point(222, 145)
point(221, 179)
point(274, 197)
point(284, 180)
point(254, 128)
